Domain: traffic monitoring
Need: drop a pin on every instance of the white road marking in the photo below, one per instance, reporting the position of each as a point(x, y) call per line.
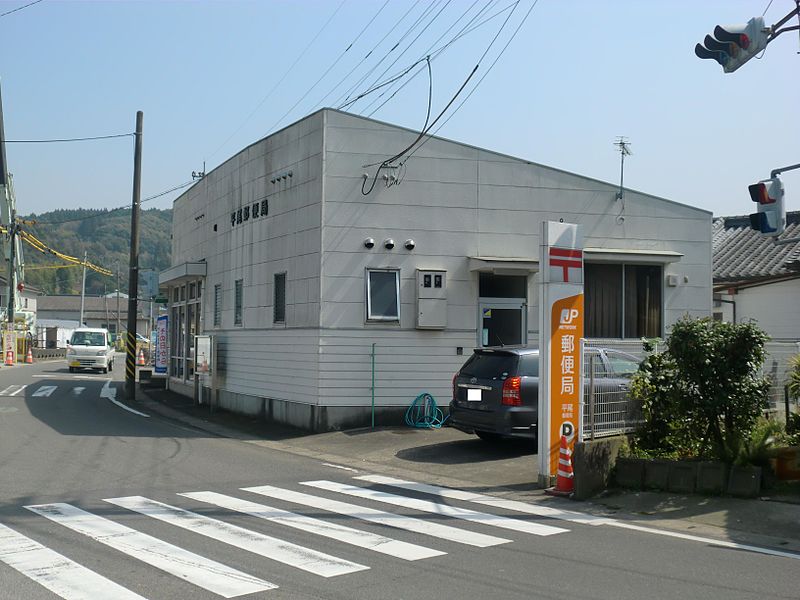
point(110, 393)
point(57, 573)
point(267, 546)
point(445, 532)
point(515, 505)
point(78, 390)
point(202, 572)
point(704, 540)
point(13, 390)
point(45, 390)
point(8, 409)
point(347, 535)
point(438, 509)
point(333, 466)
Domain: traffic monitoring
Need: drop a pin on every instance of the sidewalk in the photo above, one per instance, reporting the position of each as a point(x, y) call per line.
point(451, 458)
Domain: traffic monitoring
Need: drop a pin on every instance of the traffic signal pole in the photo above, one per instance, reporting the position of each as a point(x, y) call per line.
point(775, 173)
point(133, 280)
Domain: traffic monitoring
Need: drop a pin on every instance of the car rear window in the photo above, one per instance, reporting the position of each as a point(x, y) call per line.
point(489, 366)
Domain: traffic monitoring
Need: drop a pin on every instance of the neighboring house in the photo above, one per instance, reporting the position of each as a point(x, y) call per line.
point(756, 278)
point(318, 275)
point(98, 311)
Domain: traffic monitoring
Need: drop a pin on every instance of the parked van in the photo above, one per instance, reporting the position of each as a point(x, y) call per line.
point(90, 348)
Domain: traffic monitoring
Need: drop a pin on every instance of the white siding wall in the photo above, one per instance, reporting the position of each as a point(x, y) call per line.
point(774, 307)
point(261, 359)
point(455, 202)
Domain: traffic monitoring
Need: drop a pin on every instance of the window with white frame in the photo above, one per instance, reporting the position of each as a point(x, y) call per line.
point(238, 291)
point(279, 298)
point(217, 305)
point(383, 295)
point(623, 300)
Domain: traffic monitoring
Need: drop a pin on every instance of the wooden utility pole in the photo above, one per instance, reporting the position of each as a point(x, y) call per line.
point(133, 280)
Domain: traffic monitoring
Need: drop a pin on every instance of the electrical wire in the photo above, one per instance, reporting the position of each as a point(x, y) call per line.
point(766, 9)
point(366, 56)
point(489, 70)
point(79, 139)
point(280, 81)
point(410, 45)
point(20, 8)
point(346, 96)
point(436, 54)
point(427, 118)
point(106, 212)
point(328, 70)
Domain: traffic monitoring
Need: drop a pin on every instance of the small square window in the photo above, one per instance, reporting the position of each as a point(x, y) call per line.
point(383, 295)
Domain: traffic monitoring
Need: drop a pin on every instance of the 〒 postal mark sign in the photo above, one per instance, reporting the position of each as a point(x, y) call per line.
point(561, 317)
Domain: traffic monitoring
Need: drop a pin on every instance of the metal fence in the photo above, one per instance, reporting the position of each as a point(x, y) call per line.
point(607, 408)
point(776, 368)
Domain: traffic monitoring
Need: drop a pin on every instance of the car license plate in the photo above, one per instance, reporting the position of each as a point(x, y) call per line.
point(473, 395)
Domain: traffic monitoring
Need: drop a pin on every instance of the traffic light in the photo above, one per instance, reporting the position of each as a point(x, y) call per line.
point(733, 45)
point(771, 216)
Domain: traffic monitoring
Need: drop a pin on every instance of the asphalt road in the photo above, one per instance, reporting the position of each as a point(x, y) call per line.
point(97, 501)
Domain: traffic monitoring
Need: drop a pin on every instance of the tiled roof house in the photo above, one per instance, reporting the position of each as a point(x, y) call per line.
point(757, 277)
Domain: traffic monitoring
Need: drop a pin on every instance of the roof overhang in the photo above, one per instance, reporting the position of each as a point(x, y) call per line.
point(183, 272)
point(622, 255)
point(503, 266)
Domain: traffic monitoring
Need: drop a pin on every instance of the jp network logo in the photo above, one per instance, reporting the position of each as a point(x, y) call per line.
point(568, 315)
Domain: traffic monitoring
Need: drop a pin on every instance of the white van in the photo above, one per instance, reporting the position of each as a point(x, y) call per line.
point(90, 348)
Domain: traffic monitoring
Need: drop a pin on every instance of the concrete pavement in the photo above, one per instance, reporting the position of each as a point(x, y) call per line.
point(451, 458)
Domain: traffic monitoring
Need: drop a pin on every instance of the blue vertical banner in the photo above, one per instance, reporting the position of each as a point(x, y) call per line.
point(162, 344)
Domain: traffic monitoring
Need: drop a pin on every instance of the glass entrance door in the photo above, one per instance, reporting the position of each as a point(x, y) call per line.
point(502, 322)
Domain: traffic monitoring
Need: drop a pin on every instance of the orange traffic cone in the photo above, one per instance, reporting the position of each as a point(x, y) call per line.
point(140, 359)
point(9, 359)
point(565, 483)
point(29, 357)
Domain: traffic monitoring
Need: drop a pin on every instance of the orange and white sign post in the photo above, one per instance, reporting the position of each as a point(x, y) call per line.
point(560, 331)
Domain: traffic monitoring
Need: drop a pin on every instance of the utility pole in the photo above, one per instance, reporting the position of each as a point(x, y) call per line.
point(118, 329)
point(133, 279)
point(83, 284)
point(12, 223)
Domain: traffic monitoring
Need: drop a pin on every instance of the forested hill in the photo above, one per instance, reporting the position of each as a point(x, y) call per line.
point(105, 235)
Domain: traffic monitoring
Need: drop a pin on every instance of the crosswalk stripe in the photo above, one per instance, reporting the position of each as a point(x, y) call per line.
point(380, 517)
point(45, 390)
point(205, 573)
point(514, 505)
point(437, 508)
point(267, 546)
point(347, 535)
point(57, 573)
point(13, 390)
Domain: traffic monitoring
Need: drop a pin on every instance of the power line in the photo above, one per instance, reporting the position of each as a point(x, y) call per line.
point(434, 54)
point(106, 212)
point(366, 56)
point(280, 81)
point(328, 70)
point(20, 8)
point(472, 91)
point(78, 139)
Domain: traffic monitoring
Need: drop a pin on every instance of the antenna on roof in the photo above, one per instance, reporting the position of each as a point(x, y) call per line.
point(624, 150)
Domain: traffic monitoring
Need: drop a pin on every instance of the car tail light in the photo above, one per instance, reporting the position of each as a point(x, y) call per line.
point(511, 393)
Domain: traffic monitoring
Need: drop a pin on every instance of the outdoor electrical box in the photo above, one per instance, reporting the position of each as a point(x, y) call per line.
point(431, 299)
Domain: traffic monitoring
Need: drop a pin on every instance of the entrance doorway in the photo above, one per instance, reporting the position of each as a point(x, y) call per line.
point(502, 310)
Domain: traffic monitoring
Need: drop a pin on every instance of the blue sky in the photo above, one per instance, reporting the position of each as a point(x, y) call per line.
point(577, 75)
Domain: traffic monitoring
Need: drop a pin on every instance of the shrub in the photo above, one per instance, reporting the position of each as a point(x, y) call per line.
point(703, 395)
